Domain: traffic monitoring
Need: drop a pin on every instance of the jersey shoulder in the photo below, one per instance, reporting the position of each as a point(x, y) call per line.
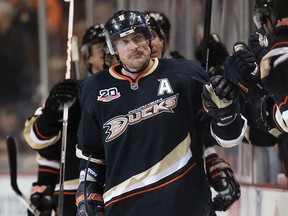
point(92, 83)
point(185, 67)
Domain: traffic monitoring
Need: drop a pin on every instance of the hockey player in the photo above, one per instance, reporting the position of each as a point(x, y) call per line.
point(273, 108)
point(93, 45)
point(268, 44)
point(139, 132)
point(43, 133)
point(218, 53)
point(165, 26)
point(260, 40)
point(158, 42)
point(273, 65)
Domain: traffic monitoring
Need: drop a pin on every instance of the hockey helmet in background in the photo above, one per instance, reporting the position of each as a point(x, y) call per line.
point(93, 35)
point(154, 26)
point(280, 14)
point(163, 22)
point(123, 23)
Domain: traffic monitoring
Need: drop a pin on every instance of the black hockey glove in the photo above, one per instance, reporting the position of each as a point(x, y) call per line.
point(222, 179)
point(219, 100)
point(95, 204)
point(264, 108)
point(241, 69)
point(258, 43)
point(63, 92)
point(41, 197)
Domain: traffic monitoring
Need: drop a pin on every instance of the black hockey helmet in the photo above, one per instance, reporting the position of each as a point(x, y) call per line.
point(123, 23)
point(163, 22)
point(263, 12)
point(280, 14)
point(154, 26)
point(93, 35)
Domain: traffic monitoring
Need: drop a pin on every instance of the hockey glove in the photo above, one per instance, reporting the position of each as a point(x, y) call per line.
point(219, 100)
point(258, 43)
point(41, 197)
point(264, 108)
point(241, 69)
point(95, 204)
point(63, 92)
point(222, 179)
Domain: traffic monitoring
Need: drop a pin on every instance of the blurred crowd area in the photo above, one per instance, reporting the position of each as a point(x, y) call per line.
point(24, 58)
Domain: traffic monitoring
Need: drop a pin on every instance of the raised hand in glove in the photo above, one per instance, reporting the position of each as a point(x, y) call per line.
point(63, 92)
point(41, 197)
point(258, 43)
point(241, 69)
point(95, 204)
point(222, 179)
point(219, 99)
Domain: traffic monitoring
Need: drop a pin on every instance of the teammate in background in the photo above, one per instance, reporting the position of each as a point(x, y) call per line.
point(43, 132)
point(273, 108)
point(93, 45)
point(165, 26)
point(218, 53)
point(260, 40)
point(158, 42)
point(269, 49)
point(140, 133)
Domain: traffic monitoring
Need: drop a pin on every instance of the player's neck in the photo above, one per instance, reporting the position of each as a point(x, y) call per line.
point(134, 75)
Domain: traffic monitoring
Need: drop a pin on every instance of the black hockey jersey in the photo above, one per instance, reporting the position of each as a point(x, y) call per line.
point(44, 136)
point(145, 133)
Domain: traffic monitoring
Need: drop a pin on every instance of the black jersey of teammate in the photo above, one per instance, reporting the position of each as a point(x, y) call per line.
point(144, 132)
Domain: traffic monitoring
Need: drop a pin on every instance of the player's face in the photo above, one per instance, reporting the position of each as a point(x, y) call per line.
point(97, 57)
point(157, 46)
point(133, 51)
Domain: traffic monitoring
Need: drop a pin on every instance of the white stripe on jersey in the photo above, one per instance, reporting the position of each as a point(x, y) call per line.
point(170, 164)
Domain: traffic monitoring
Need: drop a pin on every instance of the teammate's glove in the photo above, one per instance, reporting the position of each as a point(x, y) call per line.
point(95, 204)
point(64, 91)
point(241, 69)
point(219, 99)
point(258, 43)
point(222, 179)
point(264, 108)
point(41, 197)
